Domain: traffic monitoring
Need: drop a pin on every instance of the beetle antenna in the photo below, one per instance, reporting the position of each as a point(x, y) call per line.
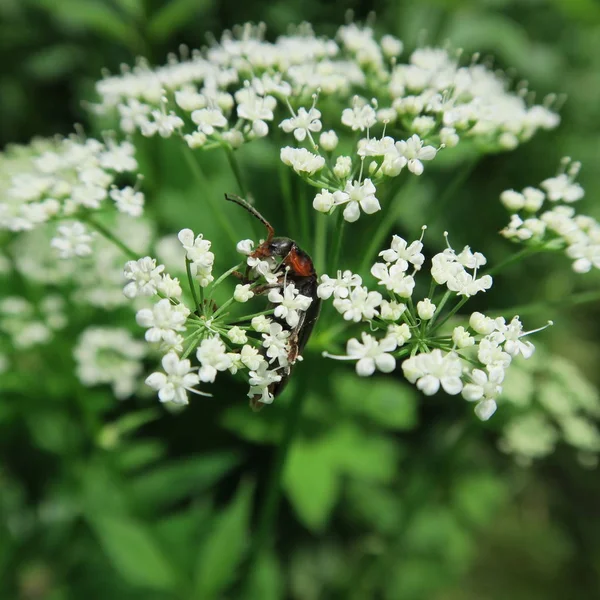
point(244, 204)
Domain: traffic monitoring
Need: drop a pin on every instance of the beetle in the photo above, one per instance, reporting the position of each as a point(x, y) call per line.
point(301, 272)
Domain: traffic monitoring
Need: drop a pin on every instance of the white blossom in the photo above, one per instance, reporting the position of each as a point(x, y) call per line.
point(360, 304)
point(162, 318)
point(289, 304)
point(301, 160)
point(413, 150)
point(242, 292)
point(176, 381)
point(72, 240)
point(430, 370)
point(303, 123)
point(212, 355)
point(144, 275)
point(340, 286)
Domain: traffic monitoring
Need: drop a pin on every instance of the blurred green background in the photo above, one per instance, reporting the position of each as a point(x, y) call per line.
point(408, 499)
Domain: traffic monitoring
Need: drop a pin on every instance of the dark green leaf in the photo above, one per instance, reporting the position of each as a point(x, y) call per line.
point(224, 549)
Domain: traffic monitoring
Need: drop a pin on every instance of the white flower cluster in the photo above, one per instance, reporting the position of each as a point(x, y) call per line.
point(545, 219)
point(29, 324)
point(238, 89)
point(110, 355)
point(260, 344)
point(65, 179)
point(549, 401)
point(470, 360)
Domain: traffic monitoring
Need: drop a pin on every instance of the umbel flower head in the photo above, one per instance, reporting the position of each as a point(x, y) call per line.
point(259, 345)
point(471, 360)
point(397, 114)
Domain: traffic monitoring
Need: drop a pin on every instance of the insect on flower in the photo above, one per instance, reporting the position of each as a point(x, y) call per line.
point(300, 271)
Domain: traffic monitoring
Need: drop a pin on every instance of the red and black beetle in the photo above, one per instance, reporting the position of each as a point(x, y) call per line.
point(301, 272)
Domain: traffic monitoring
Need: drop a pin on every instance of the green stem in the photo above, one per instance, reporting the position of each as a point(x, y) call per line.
point(387, 222)
point(514, 258)
point(337, 248)
point(460, 304)
point(304, 207)
point(453, 187)
point(192, 284)
point(270, 504)
point(574, 300)
point(288, 202)
point(235, 167)
point(190, 158)
point(320, 241)
point(103, 230)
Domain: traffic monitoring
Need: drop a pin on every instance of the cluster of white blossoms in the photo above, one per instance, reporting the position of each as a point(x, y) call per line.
point(545, 219)
point(110, 355)
point(29, 324)
point(63, 180)
point(396, 115)
point(259, 344)
point(469, 359)
point(549, 401)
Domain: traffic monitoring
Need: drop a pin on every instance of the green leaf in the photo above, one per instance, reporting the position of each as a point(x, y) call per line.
point(173, 15)
point(311, 481)
point(388, 403)
point(140, 454)
point(165, 485)
point(266, 581)
point(133, 552)
point(363, 455)
point(224, 548)
point(260, 428)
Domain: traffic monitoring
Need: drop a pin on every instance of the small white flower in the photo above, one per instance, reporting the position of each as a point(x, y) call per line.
point(173, 384)
point(170, 287)
point(434, 369)
point(359, 195)
point(245, 247)
point(162, 318)
point(413, 150)
point(491, 354)
point(165, 124)
point(394, 279)
point(256, 109)
point(342, 167)
point(339, 287)
point(261, 323)
point(304, 122)
point(145, 277)
point(325, 200)
point(73, 240)
point(426, 309)
point(260, 380)
point(359, 117)
point(128, 201)
point(449, 137)
point(212, 355)
point(562, 188)
point(391, 310)
point(237, 335)
point(276, 342)
point(372, 354)
point(401, 333)
point(208, 119)
point(199, 254)
point(301, 160)
point(328, 140)
point(482, 324)
point(400, 253)
point(242, 292)
point(361, 304)
point(196, 139)
point(513, 345)
point(289, 304)
point(251, 357)
point(391, 46)
point(462, 338)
